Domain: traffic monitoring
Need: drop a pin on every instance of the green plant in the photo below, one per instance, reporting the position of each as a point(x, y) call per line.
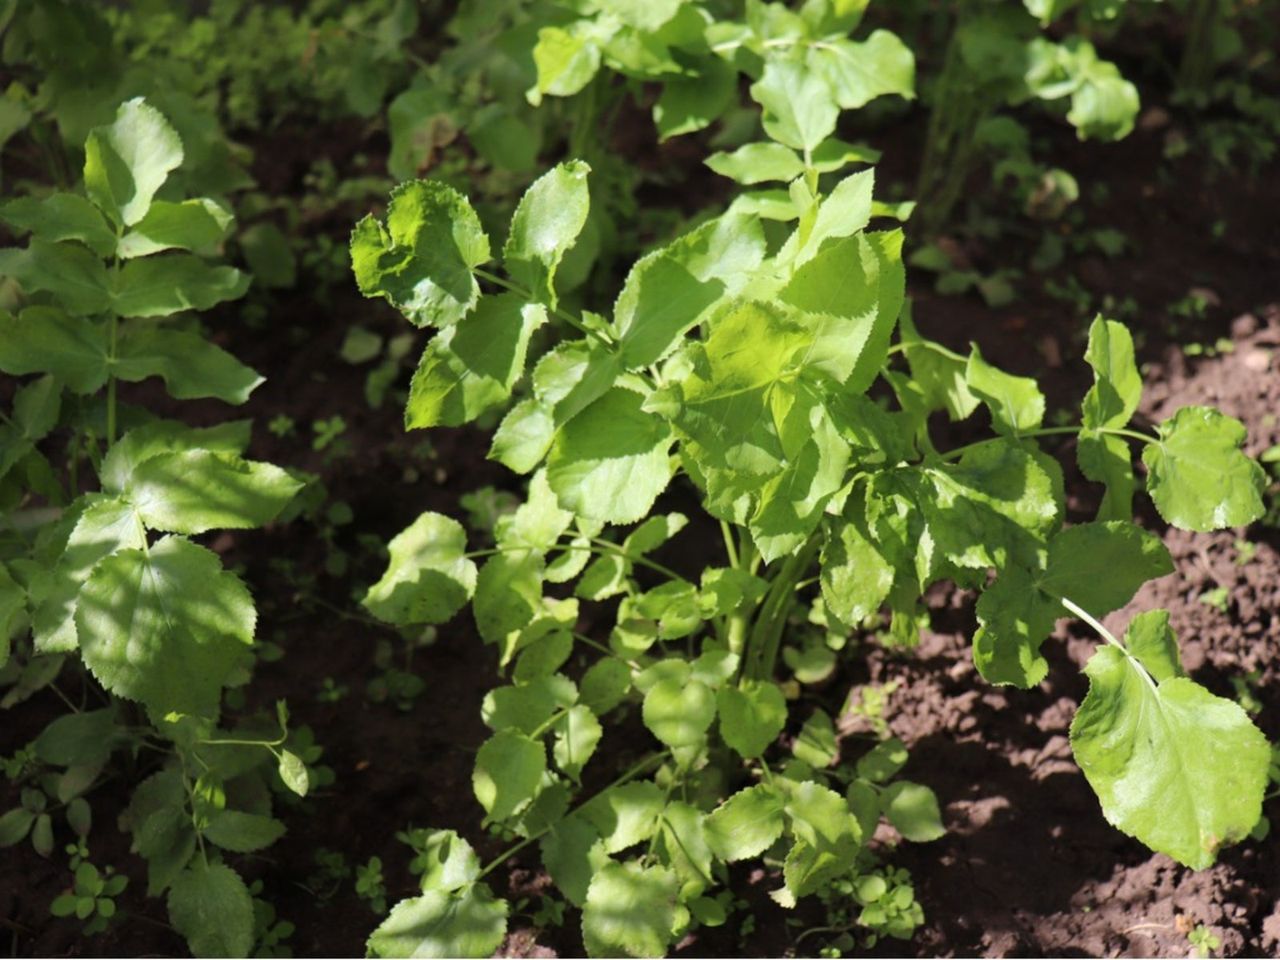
point(92, 898)
point(742, 364)
point(1000, 54)
point(110, 575)
point(1203, 941)
point(370, 887)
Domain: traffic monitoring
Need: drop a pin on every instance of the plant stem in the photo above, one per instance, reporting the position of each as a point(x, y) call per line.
point(111, 383)
point(771, 622)
point(520, 291)
point(1050, 432)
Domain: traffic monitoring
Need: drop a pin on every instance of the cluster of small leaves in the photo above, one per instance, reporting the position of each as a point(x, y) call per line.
point(741, 358)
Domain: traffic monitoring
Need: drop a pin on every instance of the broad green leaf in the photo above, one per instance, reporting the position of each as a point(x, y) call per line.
point(1197, 475)
point(199, 490)
point(428, 578)
point(471, 366)
point(913, 811)
point(526, 707)
point(883, 760)
point(106, 526)
point(449, 863)
point(566, 61)
point(463, 923)
point(683, 845)
point(630, 911)
point(1117, 385)
point(687, 104)
point(843, 213)
point(751, 716)
point(816, 744)
point(524, 436)
point(940, 378)
point(1014, 619)
point(293, 773)
point(61, 216)
point(167, 436)
point(1100, 566)
point(746, 824)
point(79, 738)
point(46, 340)
point(827, 837)
point(1106, 459)
point(189, 225)
point(544, 656)
point(71, 273)
point(1173, 765)
point(1104, 105)
point(799, 105)
point(15, 824)
point(509, 769)
point(757, 163)
point(860, 71)
point(611, 461)
point(421, 261)
point(679, 714)
point(573, 853)
point(243, 832)
point(211, 907)
point(546, 223)
point(1150, 639)
point(191, 366)
point(160, 286)
point(577, 734)
point(659, 303)
point(855, 577)
point(165, 625)
point(128, 161)
point(1016, 403)
point(625, 815)
point(508, 594)
point(605, 685)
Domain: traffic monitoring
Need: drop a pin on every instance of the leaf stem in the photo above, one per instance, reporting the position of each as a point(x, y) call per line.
point(556, 312)
point(1050, 432)
point(1092, 621)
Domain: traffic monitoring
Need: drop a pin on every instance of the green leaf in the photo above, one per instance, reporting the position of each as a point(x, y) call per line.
point(167, 436)
point(472, 366)
point(1016, 403)
point(524, 436)
point(605, 685)
point(1014, 620)
point(61, 216)
point(211, 907)
point(625, 815)
point(799, 105)
point(428, 578)
point(267, 252)
point(1105, 458)
point(1100, 566)
point(46, 340)
point(816, 745)
point(1117, 385)
point(509, 769)
point(692, 103)
point(72, 274)
point(855, 576)
point(883, 760)
point(630, 911)
point(165, 625)
point(243, 832)
point(161, 286)
point(1197, 475)
point(128, 161)
point(421, 261)
point(189, 225)
point(659, 303)
point(1174, 766)
point(293, 773)
point(679, 712)
point(913, 811)
point(751, 716)
point(611, 461)
point(860, 71)
point(450, 862)
point(1150, 639)
point(78, 738)
point(745, 825)
point(464, 923)
point(15, 825)
point(577, 733)
point(105, 526)
point(566, 60)
point(758, 163)
point(546, 223)
point(528, 706)
point(199, 490)
point(827, 837)
point(508, 594)
point(191, 367)
point(573, 853)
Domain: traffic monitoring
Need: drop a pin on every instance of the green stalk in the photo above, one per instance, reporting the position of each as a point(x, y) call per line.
point(771, 622)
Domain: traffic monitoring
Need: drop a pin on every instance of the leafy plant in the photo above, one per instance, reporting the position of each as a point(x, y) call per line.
point(741, 362)
point(92, 898)
point(113, 576)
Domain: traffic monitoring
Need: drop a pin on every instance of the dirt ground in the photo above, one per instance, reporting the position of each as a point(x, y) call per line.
point(1028, 865)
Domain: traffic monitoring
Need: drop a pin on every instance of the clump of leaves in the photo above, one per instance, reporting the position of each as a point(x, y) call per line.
point(739, 360)
point(91, 898)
